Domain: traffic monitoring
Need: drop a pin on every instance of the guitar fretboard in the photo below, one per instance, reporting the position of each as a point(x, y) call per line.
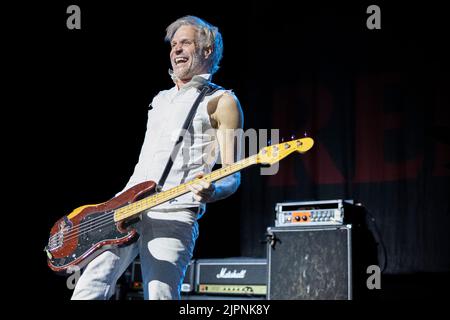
point(137, 207)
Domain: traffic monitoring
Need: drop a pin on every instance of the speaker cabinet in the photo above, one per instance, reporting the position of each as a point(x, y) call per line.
point(311, 263)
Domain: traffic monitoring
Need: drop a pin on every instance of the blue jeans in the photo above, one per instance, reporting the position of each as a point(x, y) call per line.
point(166, 244)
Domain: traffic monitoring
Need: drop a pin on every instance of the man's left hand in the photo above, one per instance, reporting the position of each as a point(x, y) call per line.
point(203, 190)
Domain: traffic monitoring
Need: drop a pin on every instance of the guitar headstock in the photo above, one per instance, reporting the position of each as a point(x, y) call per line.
point(272, 154)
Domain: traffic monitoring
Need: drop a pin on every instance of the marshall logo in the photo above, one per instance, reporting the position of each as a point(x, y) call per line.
point(228, 274)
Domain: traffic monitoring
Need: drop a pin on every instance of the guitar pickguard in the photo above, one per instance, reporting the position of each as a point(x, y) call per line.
point(90, 233)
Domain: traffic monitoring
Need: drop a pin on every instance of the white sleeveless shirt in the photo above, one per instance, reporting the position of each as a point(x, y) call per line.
point(199, 150)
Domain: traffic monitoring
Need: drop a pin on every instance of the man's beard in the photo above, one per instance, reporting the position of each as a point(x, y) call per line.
point(192, 70)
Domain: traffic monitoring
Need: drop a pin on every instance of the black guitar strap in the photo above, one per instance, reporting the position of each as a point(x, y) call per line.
point(207, 89)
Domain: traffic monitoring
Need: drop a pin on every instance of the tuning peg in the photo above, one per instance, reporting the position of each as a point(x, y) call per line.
point(305, 134)
point(282, 139)
point(292, 136)
point(269, 142)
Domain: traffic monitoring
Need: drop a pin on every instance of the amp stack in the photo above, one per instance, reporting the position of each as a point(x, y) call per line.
point(310, 252)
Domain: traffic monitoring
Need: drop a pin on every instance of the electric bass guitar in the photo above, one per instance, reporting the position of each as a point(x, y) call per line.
point(89, 230)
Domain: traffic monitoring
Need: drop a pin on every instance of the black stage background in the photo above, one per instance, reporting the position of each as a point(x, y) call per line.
point(375, 101)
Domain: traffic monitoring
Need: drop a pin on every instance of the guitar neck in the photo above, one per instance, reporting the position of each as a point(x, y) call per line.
point(137, 207)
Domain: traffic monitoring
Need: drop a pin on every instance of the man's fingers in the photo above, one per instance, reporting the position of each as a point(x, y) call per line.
point(200, 175)
point(202, 190)
point(199, 196)
point(199, 191)
point(205, 184)
point(201, 184)
point(199, 187)
point(195, 187)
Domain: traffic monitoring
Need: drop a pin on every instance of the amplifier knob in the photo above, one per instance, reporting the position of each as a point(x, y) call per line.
point(297, 218)
point(304, 218)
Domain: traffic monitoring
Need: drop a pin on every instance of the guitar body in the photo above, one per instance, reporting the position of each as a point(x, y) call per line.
point(89, 230)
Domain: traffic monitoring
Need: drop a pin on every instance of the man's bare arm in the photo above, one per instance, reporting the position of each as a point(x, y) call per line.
point(228, 116)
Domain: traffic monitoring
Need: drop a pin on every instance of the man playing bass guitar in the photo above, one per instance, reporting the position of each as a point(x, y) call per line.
point(167, 232)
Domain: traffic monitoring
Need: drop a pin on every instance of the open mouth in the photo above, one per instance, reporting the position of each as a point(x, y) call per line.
point(180, 60)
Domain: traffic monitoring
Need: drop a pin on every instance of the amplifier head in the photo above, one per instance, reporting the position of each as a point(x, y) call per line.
point(311, 213)
point(239, 276)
